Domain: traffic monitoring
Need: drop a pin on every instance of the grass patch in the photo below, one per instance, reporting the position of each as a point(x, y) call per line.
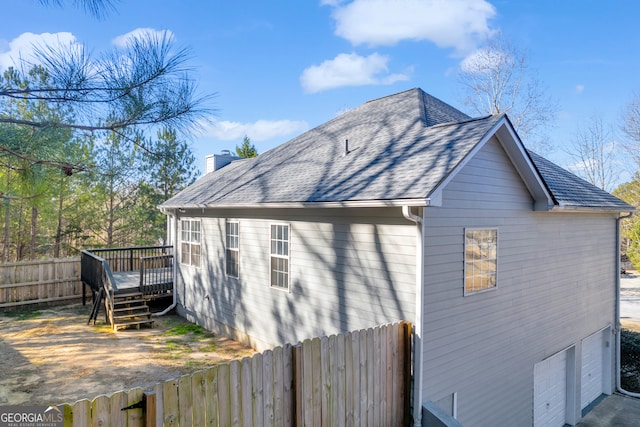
point(630, 360)
point(175, 349)
point(188, 329)
point(208, 348)
point(23, 314)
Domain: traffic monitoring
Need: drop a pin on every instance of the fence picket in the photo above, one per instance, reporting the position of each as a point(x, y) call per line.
point(117, 401)
point(224, 405)
point(245, 390)
point(198, 396)
point(135, 417)
point(278, 387)
point(82, 413)
point(211, 392)
point(170, 403)
point(185, 400)
point(257, 402)
point(267, 384)
point(100, 411)
point(235, 393)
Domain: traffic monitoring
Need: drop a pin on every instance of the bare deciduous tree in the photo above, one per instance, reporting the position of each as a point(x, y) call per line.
point(498, 80)
point(631, 128)
point(594, 150)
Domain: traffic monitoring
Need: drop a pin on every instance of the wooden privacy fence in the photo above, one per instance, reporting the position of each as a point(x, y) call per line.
point(357, 378)
point(39, 281)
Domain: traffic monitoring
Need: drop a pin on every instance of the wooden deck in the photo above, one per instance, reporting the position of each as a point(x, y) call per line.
point(127, 279)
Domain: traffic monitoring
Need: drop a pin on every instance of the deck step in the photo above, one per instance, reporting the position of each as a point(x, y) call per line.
point(136, 323)
point(130, 310)
point(138, 313)
point(129, 301)
point(121, 310)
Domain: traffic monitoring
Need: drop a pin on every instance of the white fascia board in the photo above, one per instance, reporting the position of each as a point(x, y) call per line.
point(523, 164)
point(302, 205)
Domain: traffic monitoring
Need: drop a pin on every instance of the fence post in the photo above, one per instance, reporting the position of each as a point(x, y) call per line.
point(296, 385)
point(149, 409)
point(406, 331)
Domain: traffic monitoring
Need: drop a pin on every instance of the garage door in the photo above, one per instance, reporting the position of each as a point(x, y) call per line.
point(550, 391)
point(593, 356)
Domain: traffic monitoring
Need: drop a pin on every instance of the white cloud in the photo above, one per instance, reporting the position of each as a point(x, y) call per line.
point(140, 33)
point(457, 24)
point(579, 89)
point(261, 130)
point(349, 70)
point(22, 49)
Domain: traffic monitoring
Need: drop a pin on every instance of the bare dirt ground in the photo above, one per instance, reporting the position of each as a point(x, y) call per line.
point(51, 356)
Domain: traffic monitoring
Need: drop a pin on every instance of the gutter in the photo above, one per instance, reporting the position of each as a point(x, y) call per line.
point(417, 327)
point(618, 325)
point(175, 261)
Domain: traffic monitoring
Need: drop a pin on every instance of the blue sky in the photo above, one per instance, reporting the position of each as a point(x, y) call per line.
point(279, 68)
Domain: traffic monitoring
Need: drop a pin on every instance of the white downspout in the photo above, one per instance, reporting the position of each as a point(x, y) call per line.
point(618, 325)
point(417, 327)
point(174, 239)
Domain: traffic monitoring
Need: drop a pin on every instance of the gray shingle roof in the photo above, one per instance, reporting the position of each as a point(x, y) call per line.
point(400, 148)
point(568, 190)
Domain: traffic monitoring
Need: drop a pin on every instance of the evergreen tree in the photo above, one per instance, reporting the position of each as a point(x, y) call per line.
point(247, 149)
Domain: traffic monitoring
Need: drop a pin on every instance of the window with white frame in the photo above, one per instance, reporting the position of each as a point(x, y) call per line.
point(190, 238)
point(480, 259)
point(233, 249)
point(280, 256)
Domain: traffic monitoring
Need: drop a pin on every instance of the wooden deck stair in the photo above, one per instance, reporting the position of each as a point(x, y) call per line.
point(131, 310)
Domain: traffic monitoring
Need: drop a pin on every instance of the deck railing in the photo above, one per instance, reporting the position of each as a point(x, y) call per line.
point(96, 273)
point(128, 259)
point(156, 274)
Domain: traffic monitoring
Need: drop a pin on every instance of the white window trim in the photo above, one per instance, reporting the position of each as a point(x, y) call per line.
point(288, 258)
point(464, 272)
point(226, 247)
point(181, 240)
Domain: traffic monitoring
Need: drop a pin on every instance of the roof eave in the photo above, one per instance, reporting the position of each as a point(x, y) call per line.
point(306, 205)
point(565, 207)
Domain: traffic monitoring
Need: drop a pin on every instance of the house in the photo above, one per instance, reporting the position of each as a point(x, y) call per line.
point(406, 208)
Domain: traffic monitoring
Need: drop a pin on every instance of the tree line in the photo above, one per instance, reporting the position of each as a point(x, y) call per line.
point(62, 190)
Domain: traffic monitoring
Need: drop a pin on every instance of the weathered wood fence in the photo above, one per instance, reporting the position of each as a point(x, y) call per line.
point(39, 281)
point(352, 379)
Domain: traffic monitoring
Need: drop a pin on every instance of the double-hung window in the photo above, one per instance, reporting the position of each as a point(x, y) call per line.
point(279, 256)
point(233, 249)
point(190, 238)
point(480, 259)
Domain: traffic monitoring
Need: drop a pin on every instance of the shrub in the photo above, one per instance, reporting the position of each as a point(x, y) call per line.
point(630, 360)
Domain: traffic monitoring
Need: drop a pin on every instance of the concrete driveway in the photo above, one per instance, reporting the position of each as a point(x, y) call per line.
point(615, 410)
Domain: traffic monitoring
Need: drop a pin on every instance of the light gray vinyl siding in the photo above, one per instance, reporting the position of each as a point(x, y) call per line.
point(349, 269)
point(556, 285)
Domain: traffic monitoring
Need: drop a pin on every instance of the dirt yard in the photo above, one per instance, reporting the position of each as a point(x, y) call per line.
point(51, 356)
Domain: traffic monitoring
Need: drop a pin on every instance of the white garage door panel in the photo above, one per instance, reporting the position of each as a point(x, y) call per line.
point(550, 391)
point(592, 369)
